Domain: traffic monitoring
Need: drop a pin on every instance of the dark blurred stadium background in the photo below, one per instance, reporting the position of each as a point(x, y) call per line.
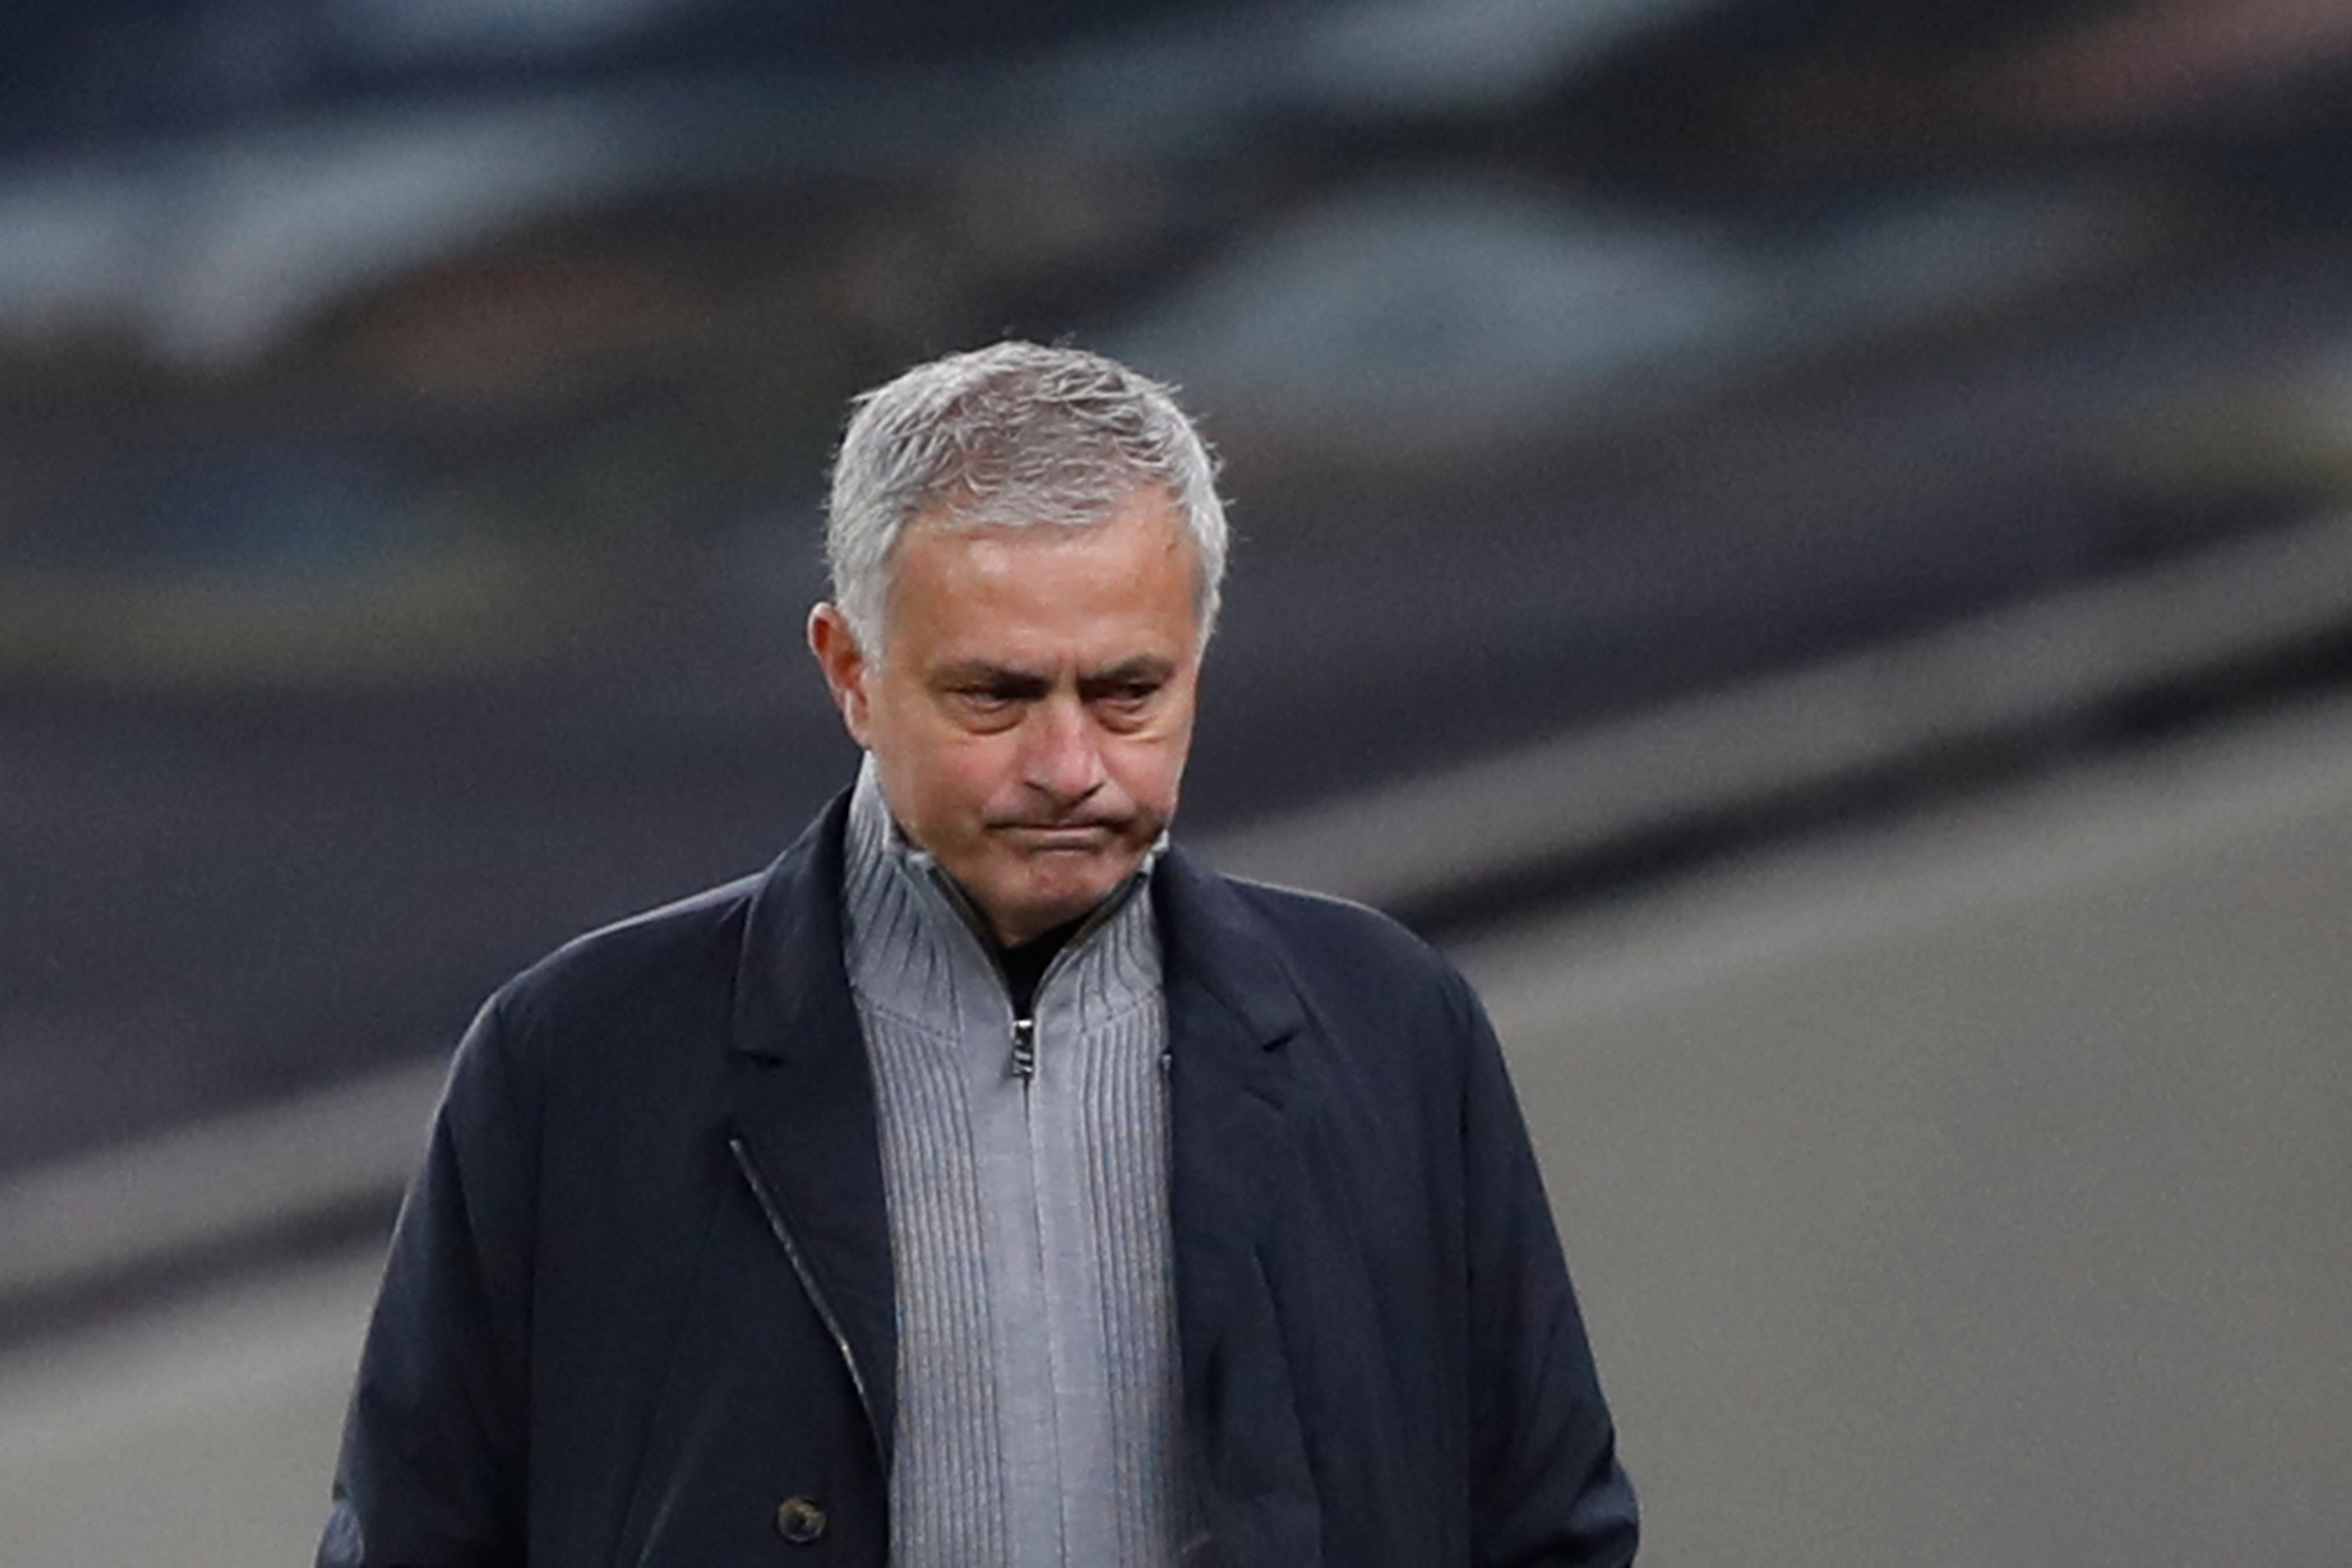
point(1679, 447)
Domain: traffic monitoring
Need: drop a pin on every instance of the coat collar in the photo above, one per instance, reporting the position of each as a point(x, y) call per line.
point(792, 990)
point(1225, 977)
point(803, 1107)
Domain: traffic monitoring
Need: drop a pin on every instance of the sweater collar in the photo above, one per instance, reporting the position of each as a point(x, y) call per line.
point(793, 993)
point(916, 944)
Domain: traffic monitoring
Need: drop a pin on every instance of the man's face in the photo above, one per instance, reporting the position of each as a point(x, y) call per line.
point(1031, 713)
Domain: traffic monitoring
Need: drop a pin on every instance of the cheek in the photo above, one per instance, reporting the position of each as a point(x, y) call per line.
point(1148, 771)
point(970, 776)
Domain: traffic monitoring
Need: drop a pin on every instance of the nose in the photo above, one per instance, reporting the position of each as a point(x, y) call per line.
point(1063, 757)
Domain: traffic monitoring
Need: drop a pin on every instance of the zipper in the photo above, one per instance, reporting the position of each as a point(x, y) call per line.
point(744, 1163)
point(1024, 1024)
point(1025, 1027)
point(1024, 1047)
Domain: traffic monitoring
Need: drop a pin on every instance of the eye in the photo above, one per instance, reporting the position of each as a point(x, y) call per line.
point(1126, 699)
point(986, 705)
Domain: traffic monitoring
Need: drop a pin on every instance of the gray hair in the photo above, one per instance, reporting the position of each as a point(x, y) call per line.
point(1009, 437)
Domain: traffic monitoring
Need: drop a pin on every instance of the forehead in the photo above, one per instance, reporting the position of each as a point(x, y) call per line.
point(960, 589)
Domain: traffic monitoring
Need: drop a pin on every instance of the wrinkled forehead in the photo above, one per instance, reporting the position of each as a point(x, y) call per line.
point(1132, 575)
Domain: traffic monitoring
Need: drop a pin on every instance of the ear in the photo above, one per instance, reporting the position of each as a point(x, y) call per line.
point(844, 664)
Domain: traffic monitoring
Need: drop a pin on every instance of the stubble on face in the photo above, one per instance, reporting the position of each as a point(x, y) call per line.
point(1033, 710)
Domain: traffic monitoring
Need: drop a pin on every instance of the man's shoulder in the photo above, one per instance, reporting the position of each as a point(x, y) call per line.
point(1384, 1012)
point(690, 944)
point(1324, 917)
point(1324, 938)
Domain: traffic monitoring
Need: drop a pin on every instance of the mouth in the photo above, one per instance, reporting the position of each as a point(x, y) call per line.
point(1061, 836)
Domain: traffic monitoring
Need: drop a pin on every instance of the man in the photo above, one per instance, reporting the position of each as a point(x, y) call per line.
point(987, 1183)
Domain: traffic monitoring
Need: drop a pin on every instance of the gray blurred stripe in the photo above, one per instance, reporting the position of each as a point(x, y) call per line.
point(1423, 838)
point(213, 1183)
point(200, 1435)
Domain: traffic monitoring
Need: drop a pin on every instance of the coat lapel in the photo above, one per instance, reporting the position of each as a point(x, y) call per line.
point(804, 1109)
point(1232, 1007)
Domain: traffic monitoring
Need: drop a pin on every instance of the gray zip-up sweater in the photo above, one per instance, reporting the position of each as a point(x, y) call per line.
point(1037, 1405)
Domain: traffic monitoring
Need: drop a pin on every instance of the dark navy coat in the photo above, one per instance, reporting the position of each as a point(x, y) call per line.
point(638, 1306)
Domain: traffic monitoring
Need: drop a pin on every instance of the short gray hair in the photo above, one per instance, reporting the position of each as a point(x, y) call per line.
point(1008, 436)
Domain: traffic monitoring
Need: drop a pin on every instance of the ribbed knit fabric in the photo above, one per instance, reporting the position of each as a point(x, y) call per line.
point(1037, 1418)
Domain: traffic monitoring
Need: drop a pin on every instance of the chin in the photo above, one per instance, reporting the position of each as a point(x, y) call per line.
point(1052, 902)
point(1052, 906)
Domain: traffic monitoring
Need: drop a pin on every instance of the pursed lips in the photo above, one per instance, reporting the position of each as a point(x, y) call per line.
point(1064, 836)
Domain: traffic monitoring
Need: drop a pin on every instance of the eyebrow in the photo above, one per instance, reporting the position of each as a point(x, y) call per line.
point(984, 672)
point(994, 677)
point(1142, 667)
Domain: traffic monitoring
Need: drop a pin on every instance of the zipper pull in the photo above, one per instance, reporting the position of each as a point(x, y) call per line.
point(1024, 1048)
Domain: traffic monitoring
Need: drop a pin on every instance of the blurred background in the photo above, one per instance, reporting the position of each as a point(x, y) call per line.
point(1809, 544)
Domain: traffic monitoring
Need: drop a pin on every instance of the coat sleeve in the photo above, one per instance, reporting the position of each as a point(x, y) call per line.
point(434, 1452)
point(1546, 1485)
